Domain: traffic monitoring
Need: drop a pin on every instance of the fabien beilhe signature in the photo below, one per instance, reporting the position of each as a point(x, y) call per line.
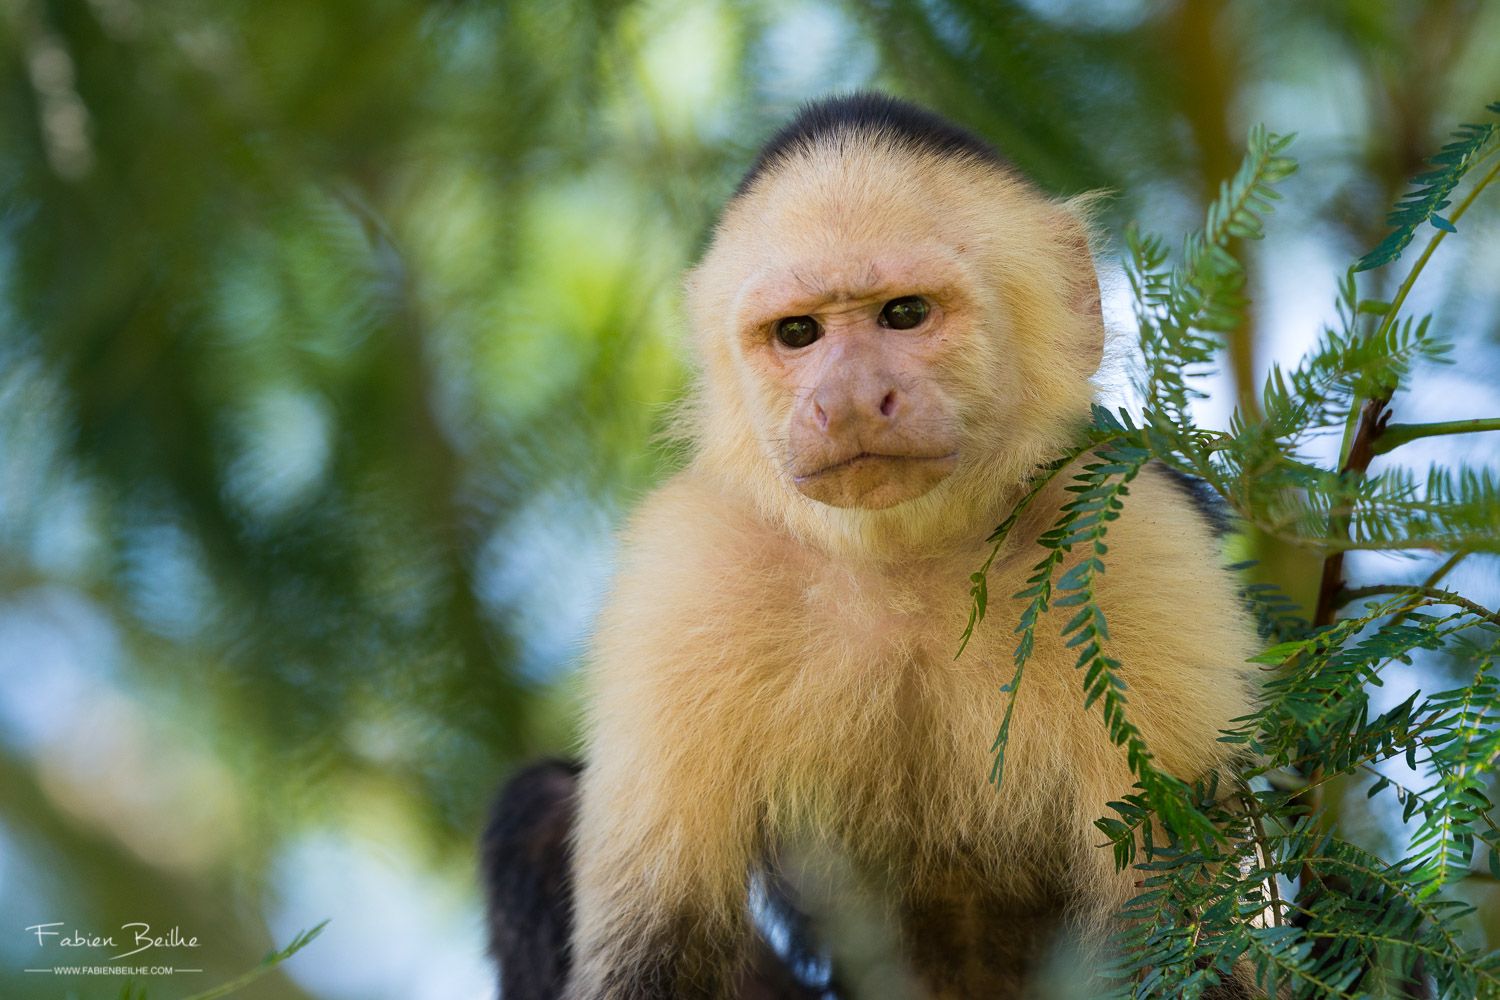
point(136, 936)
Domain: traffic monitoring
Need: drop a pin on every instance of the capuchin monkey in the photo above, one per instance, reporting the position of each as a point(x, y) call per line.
point(892, 331)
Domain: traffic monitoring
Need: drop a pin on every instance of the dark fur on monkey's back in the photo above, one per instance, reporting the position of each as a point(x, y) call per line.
point(527, 858)
point(903, 123)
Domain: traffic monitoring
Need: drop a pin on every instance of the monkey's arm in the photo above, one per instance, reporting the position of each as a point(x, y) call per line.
point(667, 831)
point(527, 855)
point(663, 852)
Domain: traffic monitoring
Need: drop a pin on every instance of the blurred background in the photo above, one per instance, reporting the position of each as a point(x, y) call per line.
point(335, 339)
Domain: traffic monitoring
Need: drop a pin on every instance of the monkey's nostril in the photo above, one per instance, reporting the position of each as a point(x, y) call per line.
point(888, 404)
point(821, 416)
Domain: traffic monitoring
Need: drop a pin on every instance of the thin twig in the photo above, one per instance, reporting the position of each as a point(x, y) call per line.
point(1436, 594)
point(1395, 435)
point(1264, 851)
point(1436, 577)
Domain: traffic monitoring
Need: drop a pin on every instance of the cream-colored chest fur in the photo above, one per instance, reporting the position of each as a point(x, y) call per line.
point(825, 699)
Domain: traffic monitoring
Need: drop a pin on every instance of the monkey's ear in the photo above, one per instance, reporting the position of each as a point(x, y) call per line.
point(1083, 297)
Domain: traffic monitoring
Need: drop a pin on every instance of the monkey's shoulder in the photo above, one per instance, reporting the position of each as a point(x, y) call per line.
point(1165, 583)
point(1169, 536)
point(1165, 571)
point(1168, 594)
point(1200, 496)
point(689, 525)
point(694, 552)
point(1166, 510)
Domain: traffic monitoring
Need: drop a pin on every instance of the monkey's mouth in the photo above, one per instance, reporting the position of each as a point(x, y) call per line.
point(874, 481)
point(870, 457)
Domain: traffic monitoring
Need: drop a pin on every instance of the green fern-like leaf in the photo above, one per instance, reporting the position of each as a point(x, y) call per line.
point(1472, 143)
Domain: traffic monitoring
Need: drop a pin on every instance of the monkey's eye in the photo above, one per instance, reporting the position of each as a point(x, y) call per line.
point(797, 331)
point(904, 313)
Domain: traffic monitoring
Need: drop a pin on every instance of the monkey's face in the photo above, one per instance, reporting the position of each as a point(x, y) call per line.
point(849, 357)
point(889, 342)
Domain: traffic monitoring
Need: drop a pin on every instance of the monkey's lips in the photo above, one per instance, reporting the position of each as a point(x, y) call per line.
point(874, 481)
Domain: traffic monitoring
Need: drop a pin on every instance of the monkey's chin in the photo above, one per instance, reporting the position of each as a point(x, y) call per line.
point(875, 482)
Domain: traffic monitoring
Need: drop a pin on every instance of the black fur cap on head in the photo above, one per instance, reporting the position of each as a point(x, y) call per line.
point(902, 123)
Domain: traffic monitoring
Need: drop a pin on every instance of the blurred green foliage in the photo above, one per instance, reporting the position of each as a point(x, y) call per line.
point(335, 336)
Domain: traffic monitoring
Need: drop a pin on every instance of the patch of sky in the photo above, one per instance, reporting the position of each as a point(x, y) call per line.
point(548, 569)
point(56, 647)
point(809, 50)
point(396, 931)
point(280, 446)
point(169, 587)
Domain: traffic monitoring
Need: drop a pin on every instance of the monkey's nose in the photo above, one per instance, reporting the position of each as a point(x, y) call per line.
point(841, 412)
